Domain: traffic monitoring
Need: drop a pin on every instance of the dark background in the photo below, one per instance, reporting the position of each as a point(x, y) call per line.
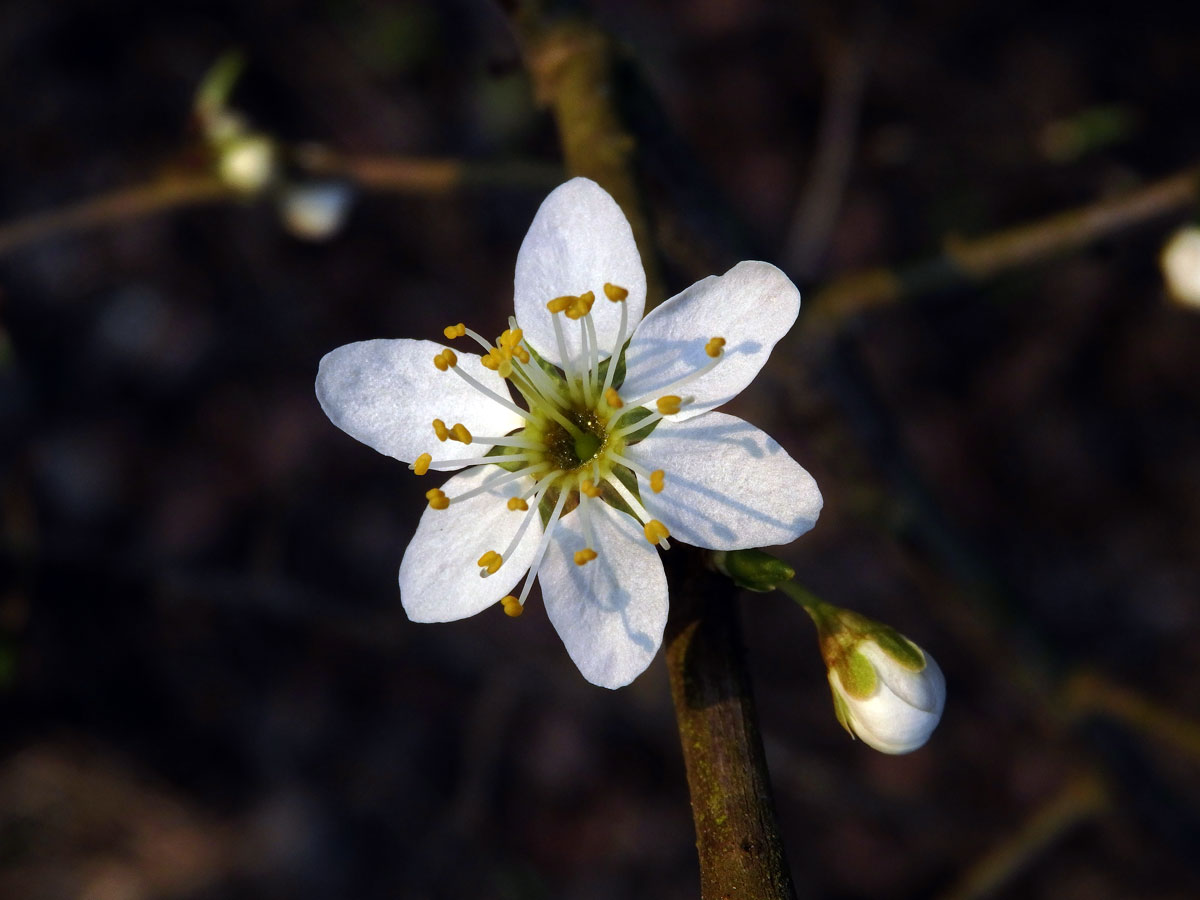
point(207, 685)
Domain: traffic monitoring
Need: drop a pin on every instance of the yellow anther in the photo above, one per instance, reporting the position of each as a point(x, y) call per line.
point(656, 480)
point(655, 531)
point(558, 304)
point(612, 398)
point(589, 488)
point(581, 305)
point(445, 360)
point(614, 293)
point(437, 499)
point(440, 429)
point(510, 338)
point(459, 433)
point(491, 360)
point(516, 503)
point(491, 561)
point(584, 556)
point(521, 353)
point(713, 347)
point(421, 465)
point(441, 364)
point(512, 606)
point(454, 331)
point(505, 368)
point(669, 405)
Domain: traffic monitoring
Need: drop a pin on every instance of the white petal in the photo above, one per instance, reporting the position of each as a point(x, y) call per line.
point(387, 394)
point(924, 690)
point(887, 723)
point(439, 575)
point(579, 240)
point(727, 484)
point(752, 306)
point(611, 612)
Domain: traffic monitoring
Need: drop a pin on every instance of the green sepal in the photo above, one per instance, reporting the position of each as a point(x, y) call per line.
point(634, 416)
point(511, 465)
point(857, 675)
point(552, 371)
point(898, 647)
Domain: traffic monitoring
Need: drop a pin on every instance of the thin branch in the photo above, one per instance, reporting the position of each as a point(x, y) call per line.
point(964, 261)
point(1080, 799)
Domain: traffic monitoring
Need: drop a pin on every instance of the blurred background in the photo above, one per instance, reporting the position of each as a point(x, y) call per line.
point(208, 688)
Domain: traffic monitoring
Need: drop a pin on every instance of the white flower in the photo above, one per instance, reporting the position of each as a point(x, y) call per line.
point(616, 449)
point(892, 701)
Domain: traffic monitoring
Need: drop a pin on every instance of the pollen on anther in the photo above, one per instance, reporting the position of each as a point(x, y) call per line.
point(655, 531)
point(589, 488)
point(614, 293)
point(490, 562)
point(421, 463)
point(454, 331)
point(714, 347)
point(558, 304)
point(445, 360)
point(459, 433)
point(612, 398)
point(516, 503)
point(656, 480)
point(669, 405)
point(581, 305)
point(440, 429)
point(512, 606)
point(437, 498)
point(584, 556)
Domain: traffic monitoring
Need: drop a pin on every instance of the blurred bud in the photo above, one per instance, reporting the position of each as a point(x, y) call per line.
point(1180, 261)
point(753, 570)
point(314, 212)
point(886, 690)
point(247, 163)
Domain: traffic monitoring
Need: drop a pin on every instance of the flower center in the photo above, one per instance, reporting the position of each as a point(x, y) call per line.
point(571, 451)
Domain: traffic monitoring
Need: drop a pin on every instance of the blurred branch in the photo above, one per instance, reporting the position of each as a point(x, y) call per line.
point(116, 206)
point(737, 837)
point(837, 135)
point(571, 63)
point(379, 174)
point(964, 261)
point(1080, 799)
point(1090, 693)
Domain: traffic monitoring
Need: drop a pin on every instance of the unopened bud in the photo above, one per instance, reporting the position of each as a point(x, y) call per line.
point(314, 212)
point(887, 691)
point(1180, 261)
point(247, 163)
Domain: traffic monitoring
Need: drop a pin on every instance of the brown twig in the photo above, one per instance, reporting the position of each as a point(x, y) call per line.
point(741, 854)
point(975, 260)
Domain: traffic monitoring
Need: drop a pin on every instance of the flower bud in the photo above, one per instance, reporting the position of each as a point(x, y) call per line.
point(247, 163)
point(752, 570)
point(1180, 261)
point(886, 690)
point(314, 212)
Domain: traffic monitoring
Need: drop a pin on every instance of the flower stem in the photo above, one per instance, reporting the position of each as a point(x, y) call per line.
point(737, 836)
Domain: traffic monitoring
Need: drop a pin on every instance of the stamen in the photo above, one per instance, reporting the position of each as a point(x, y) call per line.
point(516, 503)
point(593, 372)
point(714, 347)
point(680, 382)
point(507, 404)
point(669, 405)
point(568, 369)
point(445, 360)
point(508, 440)
point(459, 433)
point(614, 293)
point(540, 491)
point(611, 397)
point(580, 306)
point(584, 556)
point(454, 331)
point(442, 465)
point(512, 606)
point(490, 562)
point(655, 531)
point(559, 304)
point(437, 498)
point(587, 357)
point(587, 486)
point(496, 482)
point(616, 351)
point(585, 517)
point(638, 510)
point(656, 480)
point(421, 464)
point(439, 428)
point(542, 545)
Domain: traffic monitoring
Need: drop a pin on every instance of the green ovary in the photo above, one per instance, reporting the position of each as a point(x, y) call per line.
point(573, 455)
